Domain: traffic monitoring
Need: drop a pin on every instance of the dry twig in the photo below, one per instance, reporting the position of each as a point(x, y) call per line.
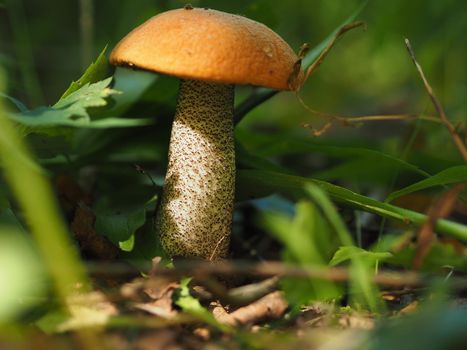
point(238, 296)
point(202, 270)
point(426, 234)
point(357, 121)
point(329, 46)
point(439, 108)
point(271, 306)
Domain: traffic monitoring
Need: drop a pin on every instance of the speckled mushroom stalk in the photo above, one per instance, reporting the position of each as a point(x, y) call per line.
point(195, 214)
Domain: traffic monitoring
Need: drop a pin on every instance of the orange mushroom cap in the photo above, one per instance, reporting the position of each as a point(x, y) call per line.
point(209, 45)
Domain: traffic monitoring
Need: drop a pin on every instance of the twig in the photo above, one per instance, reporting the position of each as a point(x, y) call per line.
point(238, 296)
point(203, 269)
point(260, 95)
point(344, 29)
point(141, 170)
point(354, 121)
point(270, 306)
point(246, 294)
point(426, 234)
point(271, 268)
point(439, 108)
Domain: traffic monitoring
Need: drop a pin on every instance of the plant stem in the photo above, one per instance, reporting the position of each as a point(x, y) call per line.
point(439, 108)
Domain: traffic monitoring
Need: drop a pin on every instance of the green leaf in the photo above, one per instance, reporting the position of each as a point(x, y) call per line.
point(268, 146)
point(73, 111)
point(451, 175)
point(349, 252)
point(96, 71)
point(307, 241)
point(439, 256)
point(366, 292)
point(70, 111)
point(261, 183)
point(119, 226)
point(120, 214)
point(361, 169)
point(306, 236)
point(146, 245)
point(192, 306)
point(106, 123)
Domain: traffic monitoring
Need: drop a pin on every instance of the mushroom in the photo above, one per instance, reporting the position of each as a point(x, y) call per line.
point(210, 51)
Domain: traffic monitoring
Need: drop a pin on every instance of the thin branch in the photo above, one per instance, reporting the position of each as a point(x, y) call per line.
point(355, 121)
point(439, 108)
point(261, 95)
point(426, 234)
point(344, 29)
point(202, 269)
point(238, 296)
point(270, 306)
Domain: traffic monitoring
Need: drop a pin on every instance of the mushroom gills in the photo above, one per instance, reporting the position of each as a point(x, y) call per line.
point(195, 214)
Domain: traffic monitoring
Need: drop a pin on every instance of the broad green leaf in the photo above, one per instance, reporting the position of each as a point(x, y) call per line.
point(307, 241)
point(349, 252)
point(96, 71)
point(451, 175)
point(73, 111)
point(192, 306)
point(361, 169)
point(70, 111)
point(439, 256)
point(304, 235)
point(119, 226)
point(260, 183)
point(146, 245)
point(267, 146)
point(120, 214)
point(118, 123)
point(366, 292)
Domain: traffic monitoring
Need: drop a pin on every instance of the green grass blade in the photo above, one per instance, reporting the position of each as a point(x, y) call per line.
point(365, 291)
point(35, 197)
point(260, 183)
point(270, 146)
point(449, 176)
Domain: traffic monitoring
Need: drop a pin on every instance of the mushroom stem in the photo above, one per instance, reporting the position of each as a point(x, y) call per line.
point(195, 214)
